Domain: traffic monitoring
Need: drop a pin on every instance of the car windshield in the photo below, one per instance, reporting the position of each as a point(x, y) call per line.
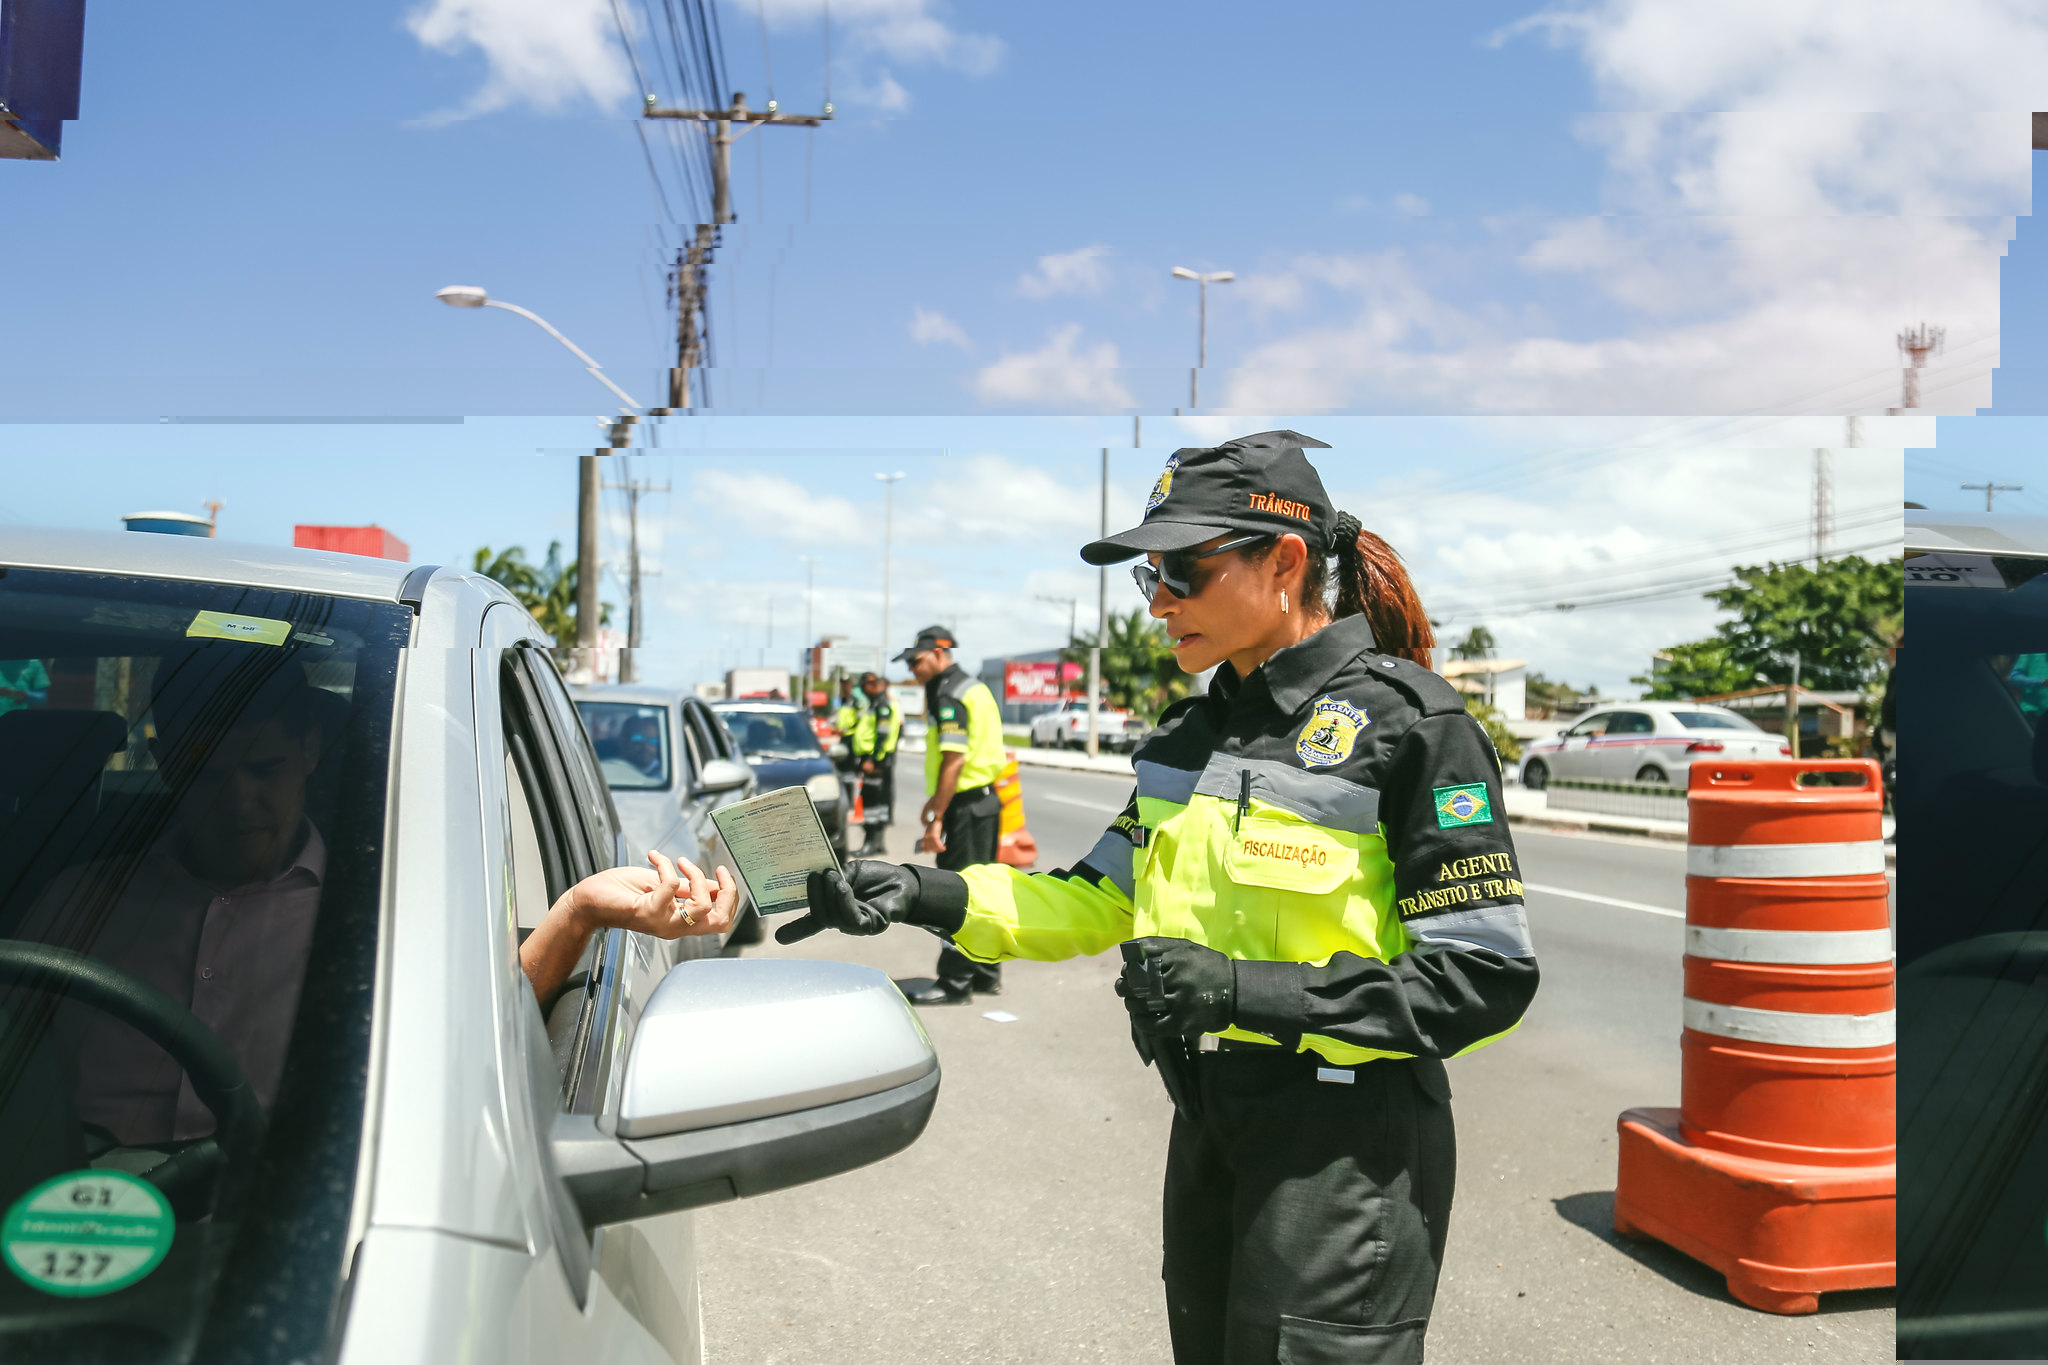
point(1711, 720)
point(765, 733)
point(632, 743)
point(1972, 802)
point(191, 810)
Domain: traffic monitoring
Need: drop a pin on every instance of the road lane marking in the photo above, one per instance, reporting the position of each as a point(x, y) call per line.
point(1604, 900)
point(1077, 801)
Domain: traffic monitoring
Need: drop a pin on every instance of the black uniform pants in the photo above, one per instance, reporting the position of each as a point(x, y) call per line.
point(1305, 1219)
point(970, 830)
point(878, 794)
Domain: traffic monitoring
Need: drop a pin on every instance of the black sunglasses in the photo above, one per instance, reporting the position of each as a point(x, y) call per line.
point(1177, 568)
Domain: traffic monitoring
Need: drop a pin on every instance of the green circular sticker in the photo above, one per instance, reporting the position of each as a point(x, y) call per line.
point(86, 1232)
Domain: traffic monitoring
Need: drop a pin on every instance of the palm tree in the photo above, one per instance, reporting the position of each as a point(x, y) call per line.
point(1477, 644)
point(1138, 667)
point(547, 590)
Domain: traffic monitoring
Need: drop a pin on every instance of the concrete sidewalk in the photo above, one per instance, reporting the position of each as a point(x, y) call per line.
point(1114, 765)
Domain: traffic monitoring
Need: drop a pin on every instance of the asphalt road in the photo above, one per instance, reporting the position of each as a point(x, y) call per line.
point(1024, 1225)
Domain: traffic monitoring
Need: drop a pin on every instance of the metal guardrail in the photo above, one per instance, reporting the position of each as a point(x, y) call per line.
point(1644, 800)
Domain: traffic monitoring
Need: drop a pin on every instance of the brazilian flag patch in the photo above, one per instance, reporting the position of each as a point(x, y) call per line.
point(1467, 805)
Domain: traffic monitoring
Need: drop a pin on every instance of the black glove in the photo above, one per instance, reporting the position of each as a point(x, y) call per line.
point(870, 896)
point(1176, 988)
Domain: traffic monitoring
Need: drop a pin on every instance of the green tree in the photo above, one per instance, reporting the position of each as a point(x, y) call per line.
point(1702, 668)
point(1547, 698)
point(1840, 618)
point(1138, 667)
point(1496, 727)
point(1477, 644)
point(547, 590)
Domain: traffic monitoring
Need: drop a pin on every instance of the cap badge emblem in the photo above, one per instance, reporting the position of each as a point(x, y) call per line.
point(1330, 734)
point(1163, 486)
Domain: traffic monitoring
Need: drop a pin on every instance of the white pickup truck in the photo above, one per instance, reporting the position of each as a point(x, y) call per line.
point(1066, 727)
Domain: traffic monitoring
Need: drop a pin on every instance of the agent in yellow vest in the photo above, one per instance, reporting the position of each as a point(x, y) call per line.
point(1317, 901)
point(963, 816)
point(873, 745)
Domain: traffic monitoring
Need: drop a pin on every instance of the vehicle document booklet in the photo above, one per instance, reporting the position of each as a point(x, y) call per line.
point(776, 842)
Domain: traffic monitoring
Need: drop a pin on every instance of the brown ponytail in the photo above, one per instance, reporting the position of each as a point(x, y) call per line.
point(1371, 579)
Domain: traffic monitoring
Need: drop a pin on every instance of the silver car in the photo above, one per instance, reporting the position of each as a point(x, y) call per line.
point(669, 763)
point(1646, 741)
point(273, 1085)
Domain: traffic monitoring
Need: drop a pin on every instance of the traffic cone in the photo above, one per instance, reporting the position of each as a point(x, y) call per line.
point(1014, 844)
point(1777, 1168)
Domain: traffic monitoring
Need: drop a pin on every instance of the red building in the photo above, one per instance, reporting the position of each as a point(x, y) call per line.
point(374, 541)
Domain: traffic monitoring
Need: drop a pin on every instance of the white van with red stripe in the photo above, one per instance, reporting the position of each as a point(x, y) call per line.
point(1646, 741)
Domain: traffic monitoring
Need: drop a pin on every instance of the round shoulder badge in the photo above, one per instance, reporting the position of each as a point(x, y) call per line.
point(1331, 733)
point(86, 1233)
point(1163, 485)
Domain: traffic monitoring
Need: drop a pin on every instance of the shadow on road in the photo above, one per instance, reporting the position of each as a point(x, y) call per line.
point(1593, 1211)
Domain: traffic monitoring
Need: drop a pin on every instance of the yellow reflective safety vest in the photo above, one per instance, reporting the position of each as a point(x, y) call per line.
point(964, 719)
point(1334, 824)
point(846, 718)
point(876, 731)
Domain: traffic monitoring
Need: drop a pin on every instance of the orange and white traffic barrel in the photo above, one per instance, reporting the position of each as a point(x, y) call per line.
point(1014, 844)
point(1777, 1167)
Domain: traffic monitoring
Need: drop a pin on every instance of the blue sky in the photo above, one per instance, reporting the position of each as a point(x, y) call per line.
point(1504, 242)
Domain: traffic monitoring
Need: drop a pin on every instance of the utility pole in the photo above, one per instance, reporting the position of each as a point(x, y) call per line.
point(213, 506)
point(810, 640)
point(1915, 345)
point(888, 531)
point(587, 483)
point(1202, 332)
point(629, 668)
point(1991, 490)
point(1823, 503)
point(728, 126)
point(1101, 613)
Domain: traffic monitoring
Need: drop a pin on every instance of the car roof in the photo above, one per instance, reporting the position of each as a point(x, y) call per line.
point(1991, 533)
point(144, 554)
point(639, 694)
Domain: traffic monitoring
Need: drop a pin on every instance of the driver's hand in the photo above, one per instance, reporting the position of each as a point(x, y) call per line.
point(667, 900)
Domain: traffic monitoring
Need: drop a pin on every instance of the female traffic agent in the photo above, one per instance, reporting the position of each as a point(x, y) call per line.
point(1317, 903)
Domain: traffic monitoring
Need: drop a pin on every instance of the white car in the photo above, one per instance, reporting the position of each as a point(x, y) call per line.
point(1066, 727)
point(1646, 741)
point(279, 820)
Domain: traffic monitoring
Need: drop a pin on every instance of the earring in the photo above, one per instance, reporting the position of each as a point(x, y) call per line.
point(1283, 601)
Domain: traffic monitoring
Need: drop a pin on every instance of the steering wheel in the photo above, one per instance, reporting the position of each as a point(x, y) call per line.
point(216, 1078)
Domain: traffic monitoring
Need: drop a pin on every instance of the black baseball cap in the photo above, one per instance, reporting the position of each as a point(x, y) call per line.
point(931, 637)
point(1260, 483)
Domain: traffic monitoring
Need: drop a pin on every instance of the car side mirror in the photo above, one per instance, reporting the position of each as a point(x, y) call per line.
point(723, 775)
point(748, 1075)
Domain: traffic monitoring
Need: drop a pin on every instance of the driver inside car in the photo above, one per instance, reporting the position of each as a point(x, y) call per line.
point(219, 912)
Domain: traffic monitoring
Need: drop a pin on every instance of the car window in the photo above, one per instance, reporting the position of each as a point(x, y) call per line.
point(192, 799)
point(632, 743)
point(780, 734)
point(1591, 725)
point(1712, 720)
point(1972, 804)
point(593, 797)
point(701, 726)
point(1630, 723)
point(722, 736)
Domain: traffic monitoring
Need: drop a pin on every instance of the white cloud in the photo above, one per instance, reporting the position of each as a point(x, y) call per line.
point(868, 33)
point(1353, 203)
point(1083, 271)
point(546, 54)
point(1060, 374)
point(929, 328)
point(769, 506)
point(1413, 205)
point(1793, 208)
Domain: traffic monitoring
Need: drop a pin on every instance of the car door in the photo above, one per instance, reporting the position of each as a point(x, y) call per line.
point(564, 829)
point(1576, 759)
point(1626, 747)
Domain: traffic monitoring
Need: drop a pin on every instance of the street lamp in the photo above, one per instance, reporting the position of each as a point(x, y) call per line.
point(474, 296)
point(471, 296)
point(888, 528)
point(1202, 282)
point(810, 564)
